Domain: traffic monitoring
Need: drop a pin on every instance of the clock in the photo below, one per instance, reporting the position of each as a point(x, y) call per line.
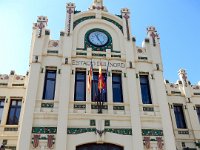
point(98, 38)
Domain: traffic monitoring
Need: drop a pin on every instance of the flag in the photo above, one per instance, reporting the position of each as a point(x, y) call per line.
point(36, 140)
point(90, 78)
point(50, 141)
point(100, 80)
point(105, 79)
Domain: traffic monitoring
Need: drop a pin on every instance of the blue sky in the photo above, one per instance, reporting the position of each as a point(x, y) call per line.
point(177, 22)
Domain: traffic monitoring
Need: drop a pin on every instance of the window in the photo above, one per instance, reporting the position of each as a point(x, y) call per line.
point(117, 88)
point(80, 86)
point(95, 92)
point(14, 112)
point(179, 115)
point(1, 108)
point(198, 112)
point(49, 85)
point(145, 90)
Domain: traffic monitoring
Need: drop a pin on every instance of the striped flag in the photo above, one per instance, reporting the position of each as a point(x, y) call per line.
point(101, 83)
point(105, 79)
point(90, 78)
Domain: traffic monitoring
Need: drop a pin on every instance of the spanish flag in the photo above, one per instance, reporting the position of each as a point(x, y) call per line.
point(90, 77)
point(100, 80)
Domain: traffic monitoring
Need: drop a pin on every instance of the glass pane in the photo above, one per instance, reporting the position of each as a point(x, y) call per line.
point(95, 91)
point(14, 103)
point(180, 119)
point(19, 103)
point(49, 90)
point(1, 102)
point(80, 93)
point(143, 79)
point(49, 85)
point(116, 79)
point(145, 89)
point(11, 116)
point(51, 74)
point(80, 76)
point(80, 86)
point(117, 88)
point(198, 113)
point(17, 115)
point(1, 113)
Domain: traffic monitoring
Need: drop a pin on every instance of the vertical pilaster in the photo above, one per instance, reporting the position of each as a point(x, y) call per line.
point(5, 111)
point(64, 98)
point(88, 92)
point(169, 140)
point(28, 111)
point(69, 18)
point(126, 23)
point(134, 109)
point(109, 93)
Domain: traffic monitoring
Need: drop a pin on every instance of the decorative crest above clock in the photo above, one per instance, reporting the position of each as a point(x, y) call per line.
point(98, 5)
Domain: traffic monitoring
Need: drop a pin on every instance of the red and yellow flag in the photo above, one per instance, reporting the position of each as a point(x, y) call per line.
point(100, 80)
point(90, 77)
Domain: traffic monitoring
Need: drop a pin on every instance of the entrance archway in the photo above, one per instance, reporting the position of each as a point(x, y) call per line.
point(94, 146)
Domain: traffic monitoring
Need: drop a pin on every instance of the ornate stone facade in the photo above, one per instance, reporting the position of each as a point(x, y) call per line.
point(41, 111)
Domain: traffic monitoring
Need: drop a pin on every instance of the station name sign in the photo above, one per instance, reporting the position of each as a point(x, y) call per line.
point(97, 63)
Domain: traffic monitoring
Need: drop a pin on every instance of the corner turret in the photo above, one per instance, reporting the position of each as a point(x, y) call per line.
point(153, 36)
point(40, 25)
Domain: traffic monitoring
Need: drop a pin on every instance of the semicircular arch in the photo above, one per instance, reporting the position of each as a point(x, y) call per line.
point(94, 146)
point(81, 30)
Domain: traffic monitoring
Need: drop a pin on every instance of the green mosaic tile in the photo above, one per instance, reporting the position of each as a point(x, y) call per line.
point(114, 22)
point(152, 132)
point(44, 130)
point(82, 19)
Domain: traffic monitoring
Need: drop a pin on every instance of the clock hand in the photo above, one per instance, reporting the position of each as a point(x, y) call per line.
point(98, 38)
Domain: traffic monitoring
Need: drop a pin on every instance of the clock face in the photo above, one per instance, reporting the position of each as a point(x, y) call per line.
point(98, 38)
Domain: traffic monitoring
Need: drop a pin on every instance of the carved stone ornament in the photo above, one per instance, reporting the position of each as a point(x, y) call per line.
point(4, 77)
point(53, 43)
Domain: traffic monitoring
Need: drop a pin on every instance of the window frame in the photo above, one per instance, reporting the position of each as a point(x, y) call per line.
point(16, 107)
point(2, 107)
point(183, 125)
point(116, 74)
point(44, 96)
point(147, 84)
point(198, 112)
point(75, 85)
point(94, 81)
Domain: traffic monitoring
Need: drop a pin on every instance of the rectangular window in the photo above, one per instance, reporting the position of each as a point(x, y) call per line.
point(96, 96)
point(198, 112)
point(80, 86)
point(1, 108)
point(14, 112)
point(49, 85)
point(179, 115)
point(117, 88)
point(145, 89)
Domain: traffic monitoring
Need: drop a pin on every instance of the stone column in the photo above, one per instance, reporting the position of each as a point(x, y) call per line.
point(28, 111)
point(169, 140)
point(134, 109)
point(88, 93)
point(109, 93)
point(64, 98)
